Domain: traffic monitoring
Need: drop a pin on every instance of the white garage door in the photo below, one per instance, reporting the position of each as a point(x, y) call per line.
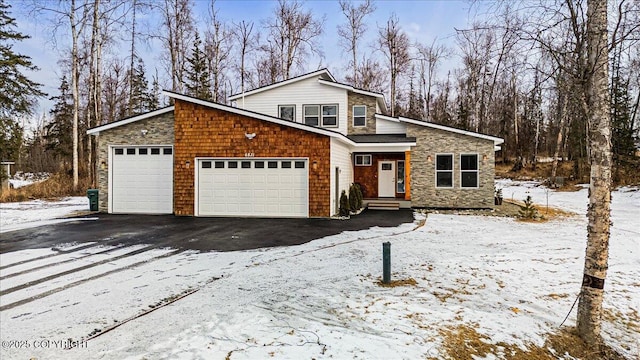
point(142, 180)
point(253, 187)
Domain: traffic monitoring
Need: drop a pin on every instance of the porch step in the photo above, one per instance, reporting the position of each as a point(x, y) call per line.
point(383, 205)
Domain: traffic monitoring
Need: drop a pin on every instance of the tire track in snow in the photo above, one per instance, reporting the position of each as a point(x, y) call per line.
point(119, 246)
point(82, 281)
point(62, 252)
point(84, 267)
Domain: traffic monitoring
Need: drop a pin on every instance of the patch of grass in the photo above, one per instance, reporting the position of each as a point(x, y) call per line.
point(398, 283)
point(464, 342)
point(57, 186)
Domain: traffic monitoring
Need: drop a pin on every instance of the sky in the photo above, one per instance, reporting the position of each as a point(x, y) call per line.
point(423, 21)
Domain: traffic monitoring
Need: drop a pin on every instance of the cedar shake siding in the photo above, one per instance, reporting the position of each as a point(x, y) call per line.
point(159, 132)
point(206, 132)
point(423, 183)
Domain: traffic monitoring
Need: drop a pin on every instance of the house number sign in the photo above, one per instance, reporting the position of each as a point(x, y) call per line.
point(249, 154)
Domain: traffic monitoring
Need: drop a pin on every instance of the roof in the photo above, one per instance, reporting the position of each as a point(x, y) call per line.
point(321, 72)
point(381, 138)
point(379, 96)
point(96, 130)
point(259, 116)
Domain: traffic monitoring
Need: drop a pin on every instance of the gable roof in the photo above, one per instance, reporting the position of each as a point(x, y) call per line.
point(257, 115)
point(496, 140)
point(96, 130)
point(322, 72)
point(379, 96)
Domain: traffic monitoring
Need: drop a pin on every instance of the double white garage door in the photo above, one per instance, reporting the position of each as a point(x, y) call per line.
point(142, 180)
point(252, 187)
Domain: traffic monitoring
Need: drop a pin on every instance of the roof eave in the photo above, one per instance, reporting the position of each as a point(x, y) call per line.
point(96, 130)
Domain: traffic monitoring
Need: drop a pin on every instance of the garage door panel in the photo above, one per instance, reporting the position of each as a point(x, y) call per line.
point(141, 182)
point(256, 187)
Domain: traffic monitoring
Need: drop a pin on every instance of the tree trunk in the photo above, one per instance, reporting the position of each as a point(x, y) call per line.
point(598, 212)
point(556, 153)
point(74, 89)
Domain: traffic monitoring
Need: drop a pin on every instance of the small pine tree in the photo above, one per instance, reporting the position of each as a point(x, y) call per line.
point(528, 210)
point(345, 208)
point(359, 195)
point(198, 80)
point(353, 198)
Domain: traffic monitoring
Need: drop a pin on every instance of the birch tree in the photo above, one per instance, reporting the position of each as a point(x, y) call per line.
point(598, 212)
point(177, 29)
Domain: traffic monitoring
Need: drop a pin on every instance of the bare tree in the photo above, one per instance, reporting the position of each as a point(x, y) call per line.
point(243, 32)
point(599, 211)
point(293, 32)
point(217, 49)
point(394, 45)
point(353, 30)
point(429, 57)
point(177, 24)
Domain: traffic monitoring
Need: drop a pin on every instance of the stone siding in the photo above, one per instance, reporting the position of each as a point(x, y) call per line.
point(159, 132)
point(423, 184)
point(205, 132)
point(370, 103)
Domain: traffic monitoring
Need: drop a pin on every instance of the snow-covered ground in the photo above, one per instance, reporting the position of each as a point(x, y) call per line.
point(512, 281)
point(22, 215)
point(21, 179)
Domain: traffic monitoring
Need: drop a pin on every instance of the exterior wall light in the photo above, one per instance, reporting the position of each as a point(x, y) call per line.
point(429, 159)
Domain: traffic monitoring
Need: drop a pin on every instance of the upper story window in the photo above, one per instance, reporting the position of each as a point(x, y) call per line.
point(469, 170)
point(320, 115)
point(330, 115)
point(359, 115)
point(444, 170)
point(312, 114)
point(287, 112)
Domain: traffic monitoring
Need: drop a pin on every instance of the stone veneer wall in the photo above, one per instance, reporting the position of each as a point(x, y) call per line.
point(423, 184)
point(360, 99)
point(159, 132)
point(205, 132)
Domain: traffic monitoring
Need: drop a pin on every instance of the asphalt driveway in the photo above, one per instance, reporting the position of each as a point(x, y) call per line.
point(191, 233)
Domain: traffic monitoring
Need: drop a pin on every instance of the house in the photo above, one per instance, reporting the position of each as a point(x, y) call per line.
point(287, 150)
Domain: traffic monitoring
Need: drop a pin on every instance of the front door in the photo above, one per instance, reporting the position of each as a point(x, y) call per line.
point(386, 179)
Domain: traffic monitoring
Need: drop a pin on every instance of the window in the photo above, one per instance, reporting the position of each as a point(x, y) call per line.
point(287, 112)
point(219, 164)
point(400, 177)
point(143, 151)
point(155, 151)
point(330, 115)
point(469, 170)
point(259, 165)
point(286, 164)
point(359, 115)
point(299, 164)
point(206, 164)
point(233, 164)
point(363, 160)
point(272, 164)
point(119, 151)
point(444, 171)
point(311, 115)
point(245, 164)
point(167, 151)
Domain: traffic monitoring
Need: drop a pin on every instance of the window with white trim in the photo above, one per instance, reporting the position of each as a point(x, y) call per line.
point(469, 175)
point(444, 170)
point(287, 112)
point(329, 115)
point(359, 115)
point(400, 177)
point(363, 160)
point(311, 114)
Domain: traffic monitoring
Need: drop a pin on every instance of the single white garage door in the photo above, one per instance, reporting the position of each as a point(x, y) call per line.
point(142, 180)
point(253, 187)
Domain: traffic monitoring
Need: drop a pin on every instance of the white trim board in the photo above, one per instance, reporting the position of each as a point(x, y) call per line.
point(282, 83)
point(96, 130)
